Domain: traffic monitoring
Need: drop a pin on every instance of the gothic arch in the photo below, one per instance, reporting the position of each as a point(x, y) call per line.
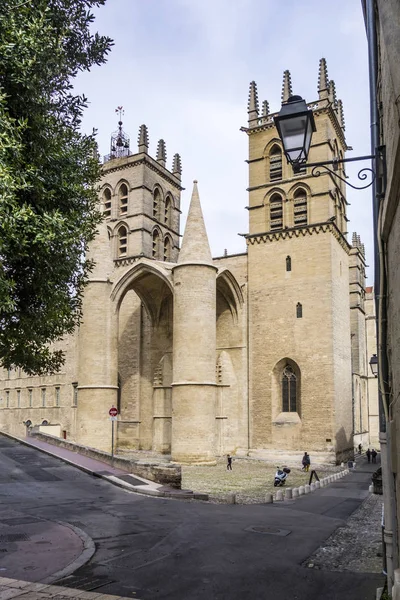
point(151, 283)
point(168, 246)
point(121, 182)
point(158, 202)
point(229, 288)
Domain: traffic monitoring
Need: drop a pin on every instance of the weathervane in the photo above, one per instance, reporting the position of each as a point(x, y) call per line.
point(119, 146)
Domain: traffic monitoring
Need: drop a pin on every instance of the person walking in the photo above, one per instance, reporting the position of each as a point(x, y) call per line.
point(359, 448)
point(368, 453)
point(229, 462)
point(374, 454)
point(306, 462)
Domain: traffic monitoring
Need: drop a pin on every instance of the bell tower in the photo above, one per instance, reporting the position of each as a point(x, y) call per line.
point(298, 257)
point(140, 199)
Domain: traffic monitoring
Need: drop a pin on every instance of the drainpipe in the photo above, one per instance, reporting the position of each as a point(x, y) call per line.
point(380, 304)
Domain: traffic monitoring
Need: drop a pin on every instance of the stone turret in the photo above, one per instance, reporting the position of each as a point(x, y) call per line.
point(143, 139)
point(286, 86)
point(252, 107)
point(161, 153)
point(177, 166)
point(323, 81)
point(194, 344)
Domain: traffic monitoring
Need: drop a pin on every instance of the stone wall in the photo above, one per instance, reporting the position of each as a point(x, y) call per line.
point(159, 472)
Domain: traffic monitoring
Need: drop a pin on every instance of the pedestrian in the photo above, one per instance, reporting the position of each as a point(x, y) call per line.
point(374, 454)
point(229, 462)
point(368, 453)
point(306, 462)
point(359, 448)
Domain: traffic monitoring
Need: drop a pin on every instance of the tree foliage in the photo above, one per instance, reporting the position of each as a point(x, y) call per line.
point(48, 174)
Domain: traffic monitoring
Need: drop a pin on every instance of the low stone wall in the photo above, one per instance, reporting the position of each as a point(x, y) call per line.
point(163, 473)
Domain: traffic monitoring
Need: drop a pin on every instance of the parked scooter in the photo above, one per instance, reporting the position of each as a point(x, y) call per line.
point(281, 476)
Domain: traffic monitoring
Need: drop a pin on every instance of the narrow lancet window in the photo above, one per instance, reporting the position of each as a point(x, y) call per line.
point(156, 240)
point(276, 212)
point(107, 202)
point(300, 207)
point(288, 263)
point(156, 204)
point(167, 249)
point(122, 241)
point(299, 310)
point(123, 199)
point(275, 164)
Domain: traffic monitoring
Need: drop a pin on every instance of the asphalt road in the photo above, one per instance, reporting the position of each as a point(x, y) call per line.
point(153, 548)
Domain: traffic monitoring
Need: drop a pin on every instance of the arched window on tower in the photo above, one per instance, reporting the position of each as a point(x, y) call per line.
point(288, 263)
point(156, 243)
point(107, 202)
point(300, 207)
point(299, 310)
point(167, 211)
point(167, 249)
point(289, 390)
point(123, 199)
point(275, 163)
point(156, 203)
point(276, 212)
point(122, 241)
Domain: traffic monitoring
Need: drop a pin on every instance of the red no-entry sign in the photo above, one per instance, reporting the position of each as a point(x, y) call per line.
point(113, 411)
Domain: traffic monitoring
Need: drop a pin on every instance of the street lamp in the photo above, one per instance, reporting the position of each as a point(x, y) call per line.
point(295, 125)
point(373, 363)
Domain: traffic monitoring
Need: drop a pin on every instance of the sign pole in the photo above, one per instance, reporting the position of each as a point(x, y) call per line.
point(112, 439)
point(113, 412)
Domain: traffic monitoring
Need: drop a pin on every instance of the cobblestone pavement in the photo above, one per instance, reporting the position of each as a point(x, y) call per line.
point(250, 480)
point(357, 546)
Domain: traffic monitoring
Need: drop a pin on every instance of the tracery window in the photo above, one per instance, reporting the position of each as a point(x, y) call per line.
point(289, 390)
point(275, 164)
point(300, 207)
point(122, 241)
point(276, 212)
point(107, 202)
point(123, 199)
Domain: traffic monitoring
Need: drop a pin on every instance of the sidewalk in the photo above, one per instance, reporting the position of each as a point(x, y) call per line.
point(123, 479)
point(14, 588)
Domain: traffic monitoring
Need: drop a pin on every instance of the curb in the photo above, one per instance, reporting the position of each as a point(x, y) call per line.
point(89, 549)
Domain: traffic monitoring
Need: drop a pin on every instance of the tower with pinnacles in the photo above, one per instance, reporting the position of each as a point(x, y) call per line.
point(258, 354)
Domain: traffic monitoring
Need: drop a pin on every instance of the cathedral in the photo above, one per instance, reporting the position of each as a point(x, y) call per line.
point(262, 354)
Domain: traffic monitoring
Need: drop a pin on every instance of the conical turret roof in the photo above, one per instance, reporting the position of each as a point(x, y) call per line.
point(195, 247)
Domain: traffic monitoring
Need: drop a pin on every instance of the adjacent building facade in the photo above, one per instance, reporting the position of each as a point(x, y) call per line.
point(262, 353)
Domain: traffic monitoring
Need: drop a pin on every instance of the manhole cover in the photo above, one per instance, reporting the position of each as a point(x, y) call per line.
point(269, 530)
point(85, 583)
point(14, 537)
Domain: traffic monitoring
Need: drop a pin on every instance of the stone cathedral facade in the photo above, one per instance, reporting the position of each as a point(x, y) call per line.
point(262, 353)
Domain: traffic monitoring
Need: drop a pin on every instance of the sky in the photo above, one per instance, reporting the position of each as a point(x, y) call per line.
point(183, 68)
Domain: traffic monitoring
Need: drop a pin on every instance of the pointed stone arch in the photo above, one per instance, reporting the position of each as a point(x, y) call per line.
point(229, 288)
point(151, 283)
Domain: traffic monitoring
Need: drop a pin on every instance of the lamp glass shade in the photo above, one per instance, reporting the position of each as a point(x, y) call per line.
point(295, 124)
point(373, 363)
